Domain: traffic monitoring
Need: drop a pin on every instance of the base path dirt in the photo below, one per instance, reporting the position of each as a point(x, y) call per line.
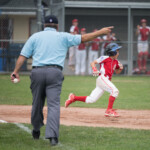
point(92, 117)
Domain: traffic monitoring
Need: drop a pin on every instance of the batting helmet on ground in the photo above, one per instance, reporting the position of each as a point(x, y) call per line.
point(111, 49)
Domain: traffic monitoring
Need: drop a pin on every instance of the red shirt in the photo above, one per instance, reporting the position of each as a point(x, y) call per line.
point(73, 29)
point(107, 66)
point(95, 44)
point(144, 32)
point(81, 46)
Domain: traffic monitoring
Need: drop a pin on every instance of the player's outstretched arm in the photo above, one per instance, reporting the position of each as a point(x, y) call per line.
point(118, 71)
point(93, 64)
point(90, 36)
point(95, 71)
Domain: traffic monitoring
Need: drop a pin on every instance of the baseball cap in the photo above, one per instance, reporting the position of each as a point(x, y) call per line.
point(143, 21)
point(51, 19)
point(74, 20)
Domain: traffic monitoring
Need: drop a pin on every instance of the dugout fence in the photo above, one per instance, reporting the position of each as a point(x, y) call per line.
point(20, 19)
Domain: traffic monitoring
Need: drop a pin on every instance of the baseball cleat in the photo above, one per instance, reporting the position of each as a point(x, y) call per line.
point(35, 134)
point(70, 100)
point(54, 141)
point(111, 112)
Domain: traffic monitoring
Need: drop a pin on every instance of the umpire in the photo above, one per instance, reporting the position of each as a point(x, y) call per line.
point(48, 49)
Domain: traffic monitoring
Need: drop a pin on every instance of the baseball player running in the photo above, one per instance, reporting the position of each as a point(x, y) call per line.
point(108, 64)
point(143, 33)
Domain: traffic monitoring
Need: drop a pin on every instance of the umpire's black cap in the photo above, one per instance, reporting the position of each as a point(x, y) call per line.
point(51, 19)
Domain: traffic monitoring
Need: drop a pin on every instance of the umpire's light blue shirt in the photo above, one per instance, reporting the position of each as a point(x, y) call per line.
point(49, 47)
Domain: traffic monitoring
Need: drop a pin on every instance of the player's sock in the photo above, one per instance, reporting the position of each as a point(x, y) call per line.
point(80, 98)
point(111, 102)
point(140, 58)
point(140, 64)
point(144, 64)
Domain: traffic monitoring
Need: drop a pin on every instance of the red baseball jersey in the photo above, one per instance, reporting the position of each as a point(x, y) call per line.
point(81, 46)
point(95, 44)
point(107, 66)
point(73, 29)
point(144, 33)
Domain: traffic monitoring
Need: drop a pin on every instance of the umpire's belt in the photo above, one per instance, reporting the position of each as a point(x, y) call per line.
point(49, 66)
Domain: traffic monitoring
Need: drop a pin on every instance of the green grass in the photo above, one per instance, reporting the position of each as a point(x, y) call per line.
point(134, 91)
point(76, 138)
point(134, 94)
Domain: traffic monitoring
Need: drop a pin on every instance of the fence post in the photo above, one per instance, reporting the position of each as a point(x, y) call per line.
point(58, 9)
point(39, 15)
point(130, 41)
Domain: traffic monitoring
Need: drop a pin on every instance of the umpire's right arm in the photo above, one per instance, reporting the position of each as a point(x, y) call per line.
point(90, 36)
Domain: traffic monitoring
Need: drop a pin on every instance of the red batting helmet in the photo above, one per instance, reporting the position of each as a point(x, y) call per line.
point(83, 29)
point(143, 21)
point(74, 20)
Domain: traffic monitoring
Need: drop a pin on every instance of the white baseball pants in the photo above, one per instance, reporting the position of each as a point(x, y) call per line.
point(142, 46)
point(93, 55)
point(102, 84)
point(72, 51)
point(80, 62)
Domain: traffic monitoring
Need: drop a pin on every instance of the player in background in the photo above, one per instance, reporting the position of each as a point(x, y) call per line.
point(81, 56)
point(74, 25)
point(107, 39)
point(73, 30)
point(93, 51)
point(108, 64)
point(72, 52)
point(142, 32)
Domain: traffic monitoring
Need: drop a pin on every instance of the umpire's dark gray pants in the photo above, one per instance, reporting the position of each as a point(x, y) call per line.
point(46, 82)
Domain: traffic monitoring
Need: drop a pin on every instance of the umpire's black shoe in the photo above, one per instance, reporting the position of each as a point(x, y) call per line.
point(35, 134)
point(53, 141)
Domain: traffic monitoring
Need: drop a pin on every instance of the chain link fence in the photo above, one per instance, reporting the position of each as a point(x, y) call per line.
point(18, 21)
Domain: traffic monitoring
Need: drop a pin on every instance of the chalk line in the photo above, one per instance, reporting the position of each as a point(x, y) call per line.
point(26, 129)
point(3, 121)
point(21, 126)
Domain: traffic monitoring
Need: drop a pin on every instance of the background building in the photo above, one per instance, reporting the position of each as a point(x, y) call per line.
point(20, 19)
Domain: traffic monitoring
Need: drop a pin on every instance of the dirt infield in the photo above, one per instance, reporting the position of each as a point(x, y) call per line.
point(93, 117)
